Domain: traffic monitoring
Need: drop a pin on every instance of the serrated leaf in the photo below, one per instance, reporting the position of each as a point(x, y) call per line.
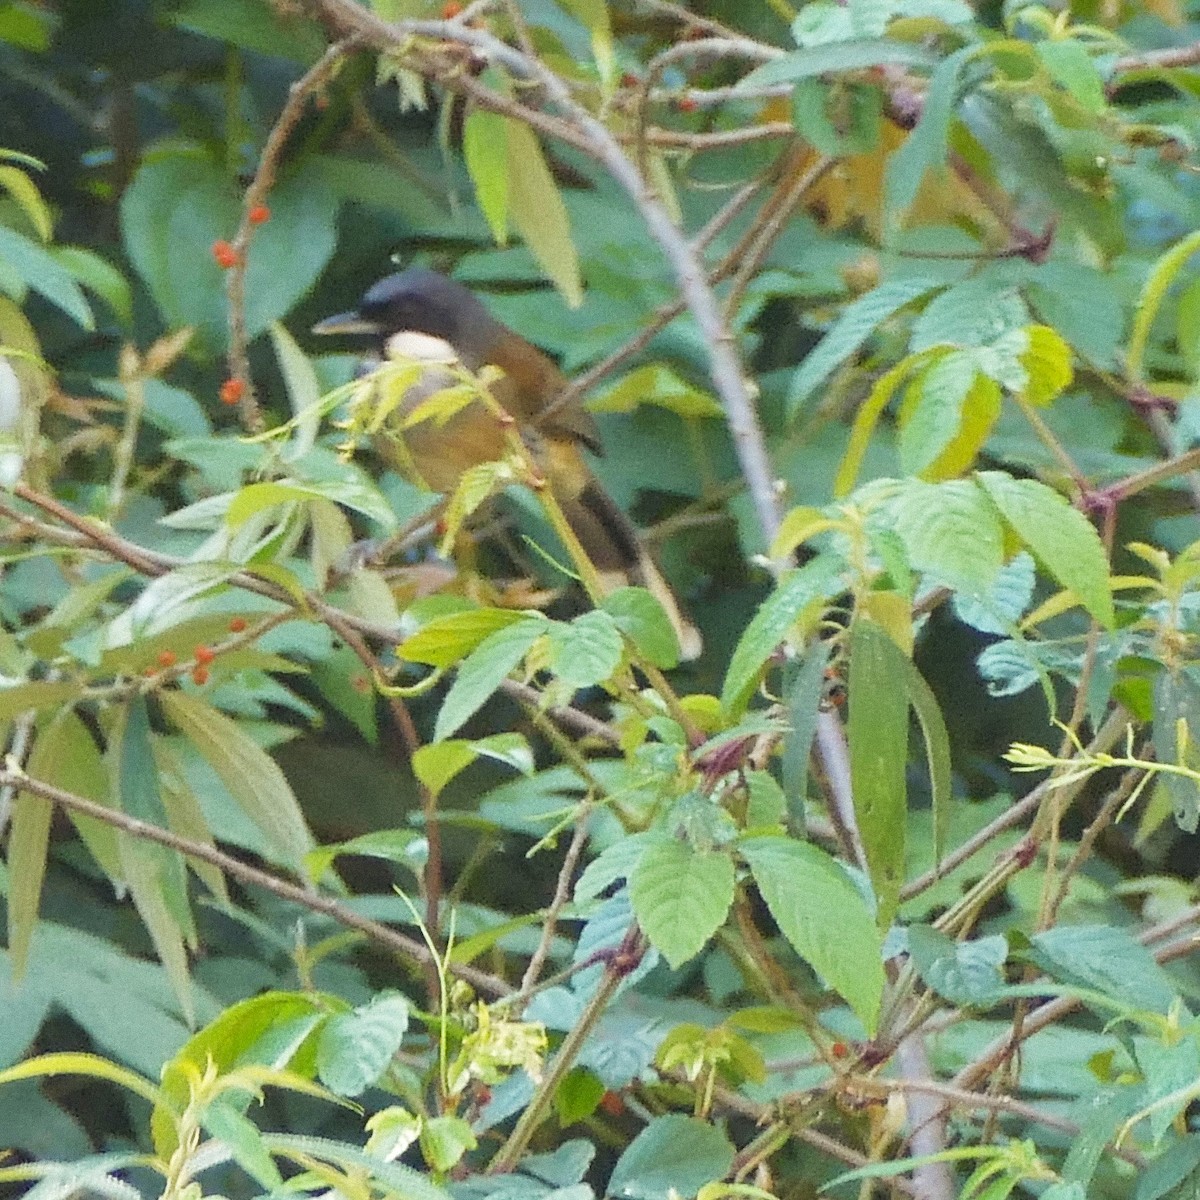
point(355, 1049)
point(857, 322)
point(252, 777)
point(484, 670)
point(932, 413)
point(444, 1140)
point(803, 888)
point(1061, 538)
point(681, 897)
point(926, 147)
point(673, 1156)
point(644, 621)
point(965, 973)
point(585, 651)
point(950, 531)
point(1105, 958)
point(878, 736)
point(798, 591)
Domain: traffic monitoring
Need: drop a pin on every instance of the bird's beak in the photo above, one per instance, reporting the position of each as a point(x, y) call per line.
point(347, 322)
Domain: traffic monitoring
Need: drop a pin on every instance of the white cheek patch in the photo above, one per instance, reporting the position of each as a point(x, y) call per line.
point(424, 347)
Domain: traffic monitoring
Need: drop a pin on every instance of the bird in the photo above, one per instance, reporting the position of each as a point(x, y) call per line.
point(420, 314)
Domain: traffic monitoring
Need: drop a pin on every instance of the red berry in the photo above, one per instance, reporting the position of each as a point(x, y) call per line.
point(166, 658)
point(203, 655)
point(612, 1104)
point(232, 390)
point(839, 1049)
point(225, 254)
point(687, 104)
point(451, 9)
point(237, 624)
point(259, 214)
point(630, 80)
point(200, 676)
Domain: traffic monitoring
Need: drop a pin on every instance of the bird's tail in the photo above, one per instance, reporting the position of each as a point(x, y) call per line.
point(611, 541)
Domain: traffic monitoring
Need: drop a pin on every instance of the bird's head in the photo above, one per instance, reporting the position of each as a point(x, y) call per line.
point(419, 301)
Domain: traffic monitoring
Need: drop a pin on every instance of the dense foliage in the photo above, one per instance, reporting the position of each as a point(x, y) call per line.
point(363, 840)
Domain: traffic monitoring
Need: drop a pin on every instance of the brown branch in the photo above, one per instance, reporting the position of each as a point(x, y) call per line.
point(256, 194)
point(400, 943)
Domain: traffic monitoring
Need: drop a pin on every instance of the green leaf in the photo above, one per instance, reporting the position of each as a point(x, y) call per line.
point(937, 755)
point(858, 321)
point(38, 269)
point(578, 1096)
point(444, 1140)
point(658, 384)
point(926, 146)
point(180, 203)
point(681, 897)
point(247, 24)
point(965, 973)
point(951, 532)
point(355, 1049)
point(1107, 959)
point(266, 1030)
point(99, 276)
point(804, 686)
point(674, 1154)
point(224, 1122)
point(644, 621)
point(437, 764)
point(803, 888)
point(538, 211)
point(1073, 68)
point(1061, 538)
point(933, 410)
point(304, 395)
point(798, 591)
point(443, 641)
point(585, 651)
point(1154, 291)
point(136, 783)
point(394, 1178)
point(1047, 363)
point(348, 491)
point(484, 670)
point(878, 735)
point(1082, 303)
point(28, 844)
point(1177, 1165)
point(252, 777)
point(840, 56)
point(485, 151)
point(25, 192)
